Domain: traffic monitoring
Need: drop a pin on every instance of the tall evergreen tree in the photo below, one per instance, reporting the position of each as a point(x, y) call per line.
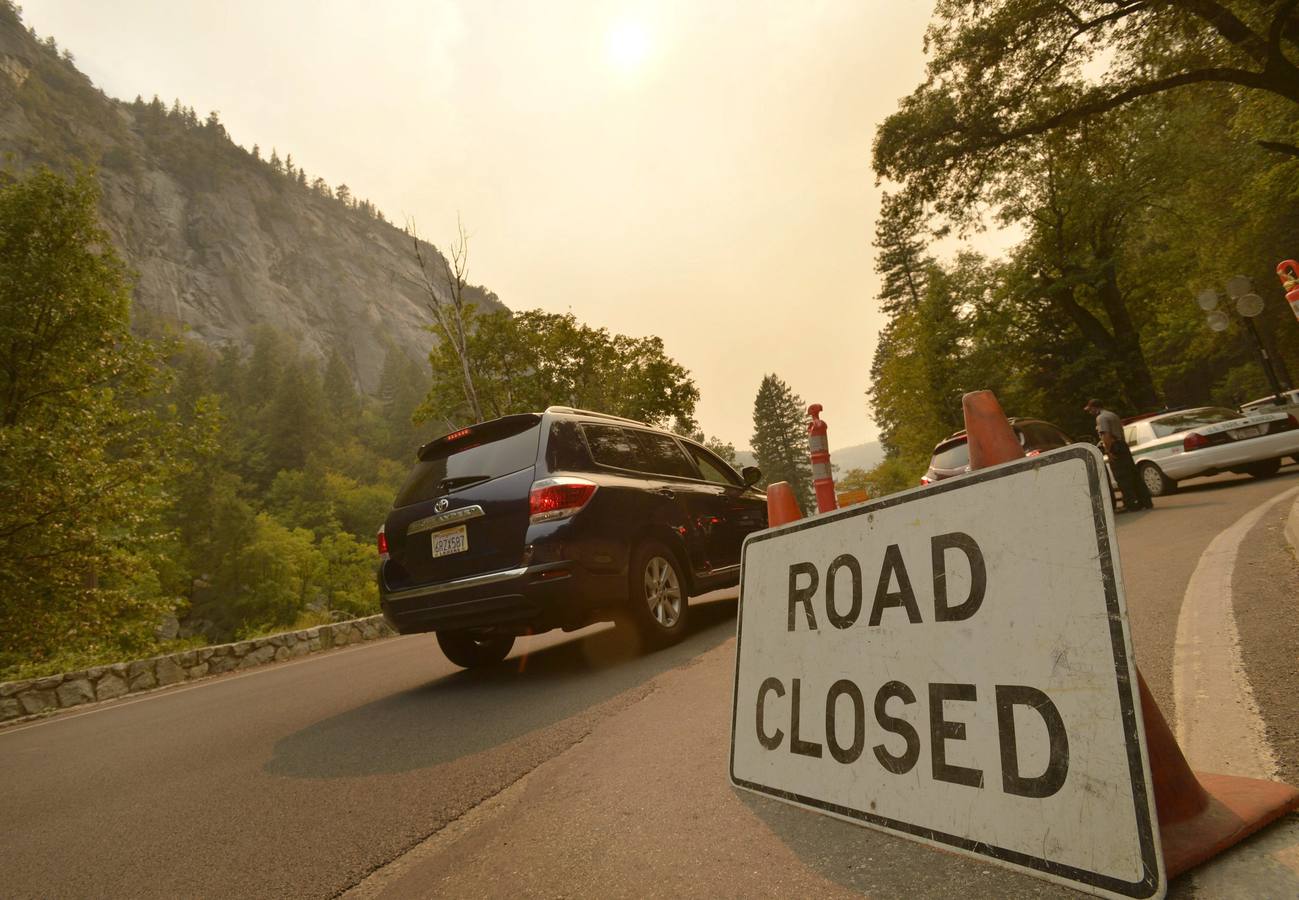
point(780, 438)
point(341, 398)
point(900, 257)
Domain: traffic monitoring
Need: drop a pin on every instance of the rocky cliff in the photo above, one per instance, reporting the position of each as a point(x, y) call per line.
point(221, 239)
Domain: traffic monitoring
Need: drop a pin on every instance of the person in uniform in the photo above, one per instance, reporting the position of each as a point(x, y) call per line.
point(1110, 428)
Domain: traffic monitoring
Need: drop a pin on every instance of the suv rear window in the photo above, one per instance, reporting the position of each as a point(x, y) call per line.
point(472, 455)
point(951, 456)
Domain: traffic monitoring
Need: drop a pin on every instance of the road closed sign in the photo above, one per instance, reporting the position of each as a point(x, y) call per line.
point(953, 664)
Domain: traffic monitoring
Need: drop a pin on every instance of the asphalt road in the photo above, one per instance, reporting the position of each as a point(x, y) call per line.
point(302, 778)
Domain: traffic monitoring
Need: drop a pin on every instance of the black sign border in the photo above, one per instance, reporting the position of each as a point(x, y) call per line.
point(1150, 884)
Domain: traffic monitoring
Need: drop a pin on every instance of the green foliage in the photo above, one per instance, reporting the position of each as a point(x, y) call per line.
point(780, 438)
point(82, 458)
point(1003, 73)
point(893, 474)
point(1126, 211)
point(524, 362)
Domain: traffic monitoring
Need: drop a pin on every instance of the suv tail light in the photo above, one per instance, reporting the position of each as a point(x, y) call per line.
point(1194, 441)
point(382, 539)
point(558, 498)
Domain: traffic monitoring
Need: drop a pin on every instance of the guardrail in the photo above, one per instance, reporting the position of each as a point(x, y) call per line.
point(37, 696)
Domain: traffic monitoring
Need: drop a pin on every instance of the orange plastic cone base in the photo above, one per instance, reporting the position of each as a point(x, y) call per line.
point(782, 508)
point(1200, 814)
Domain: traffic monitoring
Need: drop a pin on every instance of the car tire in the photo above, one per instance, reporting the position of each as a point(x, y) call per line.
point(1155, 480)
point(657, 596)
point(1265, 469)
point(471, 651)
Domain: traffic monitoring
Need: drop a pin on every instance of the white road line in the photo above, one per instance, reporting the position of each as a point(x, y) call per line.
point(1218, 722)
point(1219, 725)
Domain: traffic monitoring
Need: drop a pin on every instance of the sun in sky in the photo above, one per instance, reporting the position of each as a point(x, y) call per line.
point(627, 45)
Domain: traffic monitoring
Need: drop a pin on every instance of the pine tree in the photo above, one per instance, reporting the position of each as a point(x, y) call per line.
point(275, 161)
point(288, 165)
point(900, 256)
point(341, 398)
point(780, 438)
point(344, 193)
point(257, 152)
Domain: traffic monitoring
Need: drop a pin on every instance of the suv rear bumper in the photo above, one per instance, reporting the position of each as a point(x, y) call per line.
point(520, 600)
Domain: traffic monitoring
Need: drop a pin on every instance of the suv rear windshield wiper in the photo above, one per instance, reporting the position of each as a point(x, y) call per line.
point(459, 481)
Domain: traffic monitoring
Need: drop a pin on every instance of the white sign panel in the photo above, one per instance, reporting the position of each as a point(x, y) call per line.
point(953, 664)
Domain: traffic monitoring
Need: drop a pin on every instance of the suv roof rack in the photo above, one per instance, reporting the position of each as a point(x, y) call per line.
point(570, 410)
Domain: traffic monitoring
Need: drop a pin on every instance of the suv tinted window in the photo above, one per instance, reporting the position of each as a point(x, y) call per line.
point(712, 467)
point(951, 456)
point(472, 455)
point(565, 451)
point(613, 446)
point(1042, 436)
point(663, 456)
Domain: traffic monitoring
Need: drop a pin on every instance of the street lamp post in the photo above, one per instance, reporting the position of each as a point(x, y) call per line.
point(1249, 305)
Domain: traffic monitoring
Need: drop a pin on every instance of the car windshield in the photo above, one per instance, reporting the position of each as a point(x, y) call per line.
point(951, 455)
point(1196, 418)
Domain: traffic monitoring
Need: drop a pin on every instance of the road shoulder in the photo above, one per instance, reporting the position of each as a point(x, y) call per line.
point(643, 807)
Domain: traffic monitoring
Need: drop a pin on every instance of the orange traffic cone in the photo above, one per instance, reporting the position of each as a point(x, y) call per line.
point(782, 508)
point(1200, 814)
point(988, 433)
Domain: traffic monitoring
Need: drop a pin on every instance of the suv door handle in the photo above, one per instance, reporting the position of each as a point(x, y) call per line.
point(666, 492)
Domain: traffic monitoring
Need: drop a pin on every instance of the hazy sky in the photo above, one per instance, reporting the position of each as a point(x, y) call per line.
point(697, 170)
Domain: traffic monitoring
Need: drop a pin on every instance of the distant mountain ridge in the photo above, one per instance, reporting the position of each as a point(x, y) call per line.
point(221, 239)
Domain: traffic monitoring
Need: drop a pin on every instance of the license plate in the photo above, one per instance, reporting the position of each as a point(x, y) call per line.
point(450, 541)
point(1247, 432)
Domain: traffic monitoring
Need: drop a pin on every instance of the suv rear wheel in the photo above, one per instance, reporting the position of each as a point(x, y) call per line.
point(471, 651)
point(657, 594)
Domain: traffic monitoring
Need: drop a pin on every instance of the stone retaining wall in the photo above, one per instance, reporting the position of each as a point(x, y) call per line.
point(38, 695)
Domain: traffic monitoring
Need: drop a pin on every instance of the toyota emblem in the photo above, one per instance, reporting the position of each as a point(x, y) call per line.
point(442, 505)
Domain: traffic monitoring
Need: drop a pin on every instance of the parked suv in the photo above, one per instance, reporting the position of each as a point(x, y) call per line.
point(952, 455)
point(558, 520)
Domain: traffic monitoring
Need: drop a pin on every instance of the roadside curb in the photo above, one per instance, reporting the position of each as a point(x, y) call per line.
point(1292, 529)
point(35, 697)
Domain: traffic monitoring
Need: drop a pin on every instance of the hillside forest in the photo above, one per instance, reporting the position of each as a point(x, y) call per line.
point(167, 486)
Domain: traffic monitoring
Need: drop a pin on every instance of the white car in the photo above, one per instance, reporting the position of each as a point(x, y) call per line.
point(1269, 404)
point(1208, 440)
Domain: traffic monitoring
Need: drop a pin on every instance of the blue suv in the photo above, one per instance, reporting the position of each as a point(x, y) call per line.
point(558, 520)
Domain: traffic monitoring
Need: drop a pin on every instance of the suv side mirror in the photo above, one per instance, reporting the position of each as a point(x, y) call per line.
point(751, 475)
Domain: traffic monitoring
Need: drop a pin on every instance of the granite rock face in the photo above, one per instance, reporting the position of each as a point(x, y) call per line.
point(220, 241)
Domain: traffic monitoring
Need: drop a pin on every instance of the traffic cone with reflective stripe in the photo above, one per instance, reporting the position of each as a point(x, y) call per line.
point(782, 507)
point(819, 445)
point(1200, 814)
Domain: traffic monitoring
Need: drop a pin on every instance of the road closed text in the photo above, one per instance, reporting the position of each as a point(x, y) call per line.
point(887, 718)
